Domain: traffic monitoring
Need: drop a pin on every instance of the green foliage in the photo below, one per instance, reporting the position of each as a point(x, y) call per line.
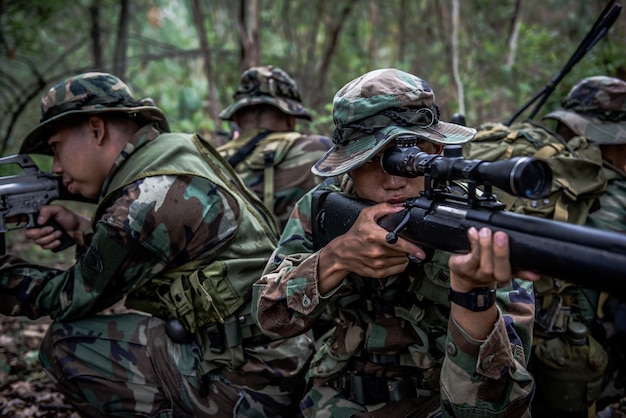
point(164, 60)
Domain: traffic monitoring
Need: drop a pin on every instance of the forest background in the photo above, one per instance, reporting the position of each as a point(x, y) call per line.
point(483, 58)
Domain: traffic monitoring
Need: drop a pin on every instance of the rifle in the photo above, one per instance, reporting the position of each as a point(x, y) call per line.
point(601, 26)
point(438, 219)
point(25, 194)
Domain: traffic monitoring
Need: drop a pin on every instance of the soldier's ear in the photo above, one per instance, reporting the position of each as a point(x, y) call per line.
point(97, 128)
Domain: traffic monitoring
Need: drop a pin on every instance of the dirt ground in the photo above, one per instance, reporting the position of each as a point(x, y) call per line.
point(25, 389)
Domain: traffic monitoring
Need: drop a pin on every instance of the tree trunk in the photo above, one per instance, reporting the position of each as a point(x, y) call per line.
point(121, 43)
point(96, 49)
point(333, 37)
point(514, 34)
point(455, 22)
point(198, 18)
point(248, 26)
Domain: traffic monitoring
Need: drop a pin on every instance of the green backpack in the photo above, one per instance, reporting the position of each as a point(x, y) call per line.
point(578, 179)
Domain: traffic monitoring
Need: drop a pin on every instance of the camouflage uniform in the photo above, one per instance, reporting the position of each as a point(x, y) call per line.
point(393, 335)
point(278, 167)
point(594, 108)
point(170, 210)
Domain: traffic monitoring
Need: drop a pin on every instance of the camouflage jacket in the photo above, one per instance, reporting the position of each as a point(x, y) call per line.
point(612, 213)
point(164, 220)
point(404, 318)
point(278, 169)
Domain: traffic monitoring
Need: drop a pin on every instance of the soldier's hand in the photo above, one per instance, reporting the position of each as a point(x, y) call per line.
point(49, 237)
point(487, 264)
point(364, 250)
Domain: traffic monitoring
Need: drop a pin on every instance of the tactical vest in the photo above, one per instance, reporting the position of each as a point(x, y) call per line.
point(265, 156)
point(210, 298)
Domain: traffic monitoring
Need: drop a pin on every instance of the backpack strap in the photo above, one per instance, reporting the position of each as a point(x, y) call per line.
point(268, 178)
point(244, 151)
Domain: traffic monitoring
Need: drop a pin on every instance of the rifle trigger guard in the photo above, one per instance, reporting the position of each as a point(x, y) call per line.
point(392, 236)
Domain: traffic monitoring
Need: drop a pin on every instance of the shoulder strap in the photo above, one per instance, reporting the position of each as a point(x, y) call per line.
point(244, 151)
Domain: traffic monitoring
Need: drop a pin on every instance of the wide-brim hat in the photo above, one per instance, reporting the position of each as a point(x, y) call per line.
point(375, 109)
point(267, 85)
point(595, 108)
point(598, 130)
point(86, 94)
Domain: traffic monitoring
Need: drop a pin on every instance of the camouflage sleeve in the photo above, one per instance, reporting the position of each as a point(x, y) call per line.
point(612, 213)
point(489, 378)
point(286, 298)
point(156, 223)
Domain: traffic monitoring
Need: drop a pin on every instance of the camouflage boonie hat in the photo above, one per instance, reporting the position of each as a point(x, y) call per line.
point(269, 85)
point(88, 93)
point(372, 110)
point(595, 108)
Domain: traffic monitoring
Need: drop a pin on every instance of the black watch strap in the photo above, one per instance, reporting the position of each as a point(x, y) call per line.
point(477, 300)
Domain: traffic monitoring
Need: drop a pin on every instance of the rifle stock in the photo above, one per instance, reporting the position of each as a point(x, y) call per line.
point(585, 256)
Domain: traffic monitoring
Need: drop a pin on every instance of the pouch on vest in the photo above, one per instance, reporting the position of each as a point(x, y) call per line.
point(209, 307)
point(578, 177)
point(569, 370)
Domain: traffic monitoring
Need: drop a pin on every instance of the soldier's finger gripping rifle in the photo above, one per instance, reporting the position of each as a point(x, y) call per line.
point(439, 219)
point(22, 196)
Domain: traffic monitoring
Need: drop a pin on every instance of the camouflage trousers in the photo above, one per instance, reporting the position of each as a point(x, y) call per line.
point(126, 366)
point(326, 402)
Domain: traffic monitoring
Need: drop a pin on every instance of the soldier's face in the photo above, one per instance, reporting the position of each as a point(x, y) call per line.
point(372, 183)
point(78, 157)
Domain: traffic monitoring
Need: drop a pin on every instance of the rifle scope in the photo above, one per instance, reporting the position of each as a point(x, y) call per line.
point(520, 176)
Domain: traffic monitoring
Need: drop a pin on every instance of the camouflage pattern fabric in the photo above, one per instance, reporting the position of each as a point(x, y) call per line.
point(378, 107)
point(291, 156)
point(86, 94)
point(596, 108)
point(612, 213)
point(126, 365)
point(269, 85)
point(389, 331)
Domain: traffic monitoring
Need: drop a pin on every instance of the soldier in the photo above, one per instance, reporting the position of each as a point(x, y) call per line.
point(178, 237)
point(595, 108)
point(400, 347)
point(271, 157)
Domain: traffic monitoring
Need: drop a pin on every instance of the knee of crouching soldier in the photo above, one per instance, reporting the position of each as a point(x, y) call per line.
point(49, 355)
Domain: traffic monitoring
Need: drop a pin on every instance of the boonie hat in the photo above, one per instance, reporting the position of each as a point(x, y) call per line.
point(377, 107)
point(88, 93)
point(595, 108)
point(269, 85)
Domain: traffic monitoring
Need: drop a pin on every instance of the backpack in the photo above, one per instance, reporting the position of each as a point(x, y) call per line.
point(263, 152)
point(578, 178)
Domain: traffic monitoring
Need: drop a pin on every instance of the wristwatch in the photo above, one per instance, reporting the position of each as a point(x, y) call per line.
point(478, 300)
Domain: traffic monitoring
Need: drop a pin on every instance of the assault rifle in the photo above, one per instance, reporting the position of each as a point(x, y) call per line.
point(439, 218)
point(23, 195)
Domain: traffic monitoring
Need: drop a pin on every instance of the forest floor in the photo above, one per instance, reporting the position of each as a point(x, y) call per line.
point(25, 389)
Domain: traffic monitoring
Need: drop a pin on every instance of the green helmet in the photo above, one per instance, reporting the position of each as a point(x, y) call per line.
point(269, 85)
point(595, 108)
point(377, 107)
point(88, 93)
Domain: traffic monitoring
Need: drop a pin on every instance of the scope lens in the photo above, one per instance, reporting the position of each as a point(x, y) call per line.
point(531, 178)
